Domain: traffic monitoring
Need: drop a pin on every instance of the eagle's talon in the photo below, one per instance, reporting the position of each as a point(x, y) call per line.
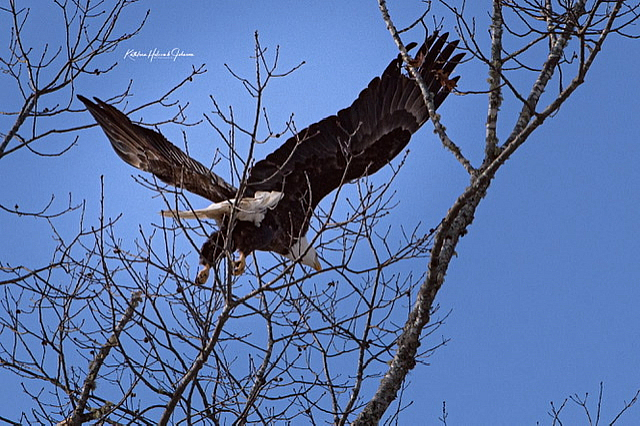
point(240, 265)
point(203, 275)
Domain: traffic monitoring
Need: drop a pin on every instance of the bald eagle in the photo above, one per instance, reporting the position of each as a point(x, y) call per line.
point(273, 209)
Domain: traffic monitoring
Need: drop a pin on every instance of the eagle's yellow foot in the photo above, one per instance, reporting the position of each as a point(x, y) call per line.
point(240, 265)
point(203, 275)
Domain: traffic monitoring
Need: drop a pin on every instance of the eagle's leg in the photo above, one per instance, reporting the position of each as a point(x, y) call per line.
point(203, 275)
point(240, 265)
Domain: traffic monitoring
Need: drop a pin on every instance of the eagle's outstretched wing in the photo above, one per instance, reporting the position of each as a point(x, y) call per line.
point(362, 138)
point(151, 152)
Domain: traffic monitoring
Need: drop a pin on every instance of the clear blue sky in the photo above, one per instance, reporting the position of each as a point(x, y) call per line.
point(544, 292)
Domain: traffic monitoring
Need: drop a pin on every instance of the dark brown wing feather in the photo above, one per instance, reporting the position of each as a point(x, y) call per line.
point(151, 152)
point(362, 138)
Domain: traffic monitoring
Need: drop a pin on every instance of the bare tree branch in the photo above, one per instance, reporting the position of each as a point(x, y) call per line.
point(109, 328)
point(461, 214)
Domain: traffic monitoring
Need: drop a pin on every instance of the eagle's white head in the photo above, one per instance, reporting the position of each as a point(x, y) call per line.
point(306, 254)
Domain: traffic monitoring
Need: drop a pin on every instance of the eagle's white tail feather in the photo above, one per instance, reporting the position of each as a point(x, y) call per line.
point(250, 209)
point(189, 214)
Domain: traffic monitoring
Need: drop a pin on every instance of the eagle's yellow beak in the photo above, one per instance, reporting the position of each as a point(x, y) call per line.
point(317, 266)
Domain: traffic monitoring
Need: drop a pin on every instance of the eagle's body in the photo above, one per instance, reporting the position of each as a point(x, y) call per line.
point(282, 191)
